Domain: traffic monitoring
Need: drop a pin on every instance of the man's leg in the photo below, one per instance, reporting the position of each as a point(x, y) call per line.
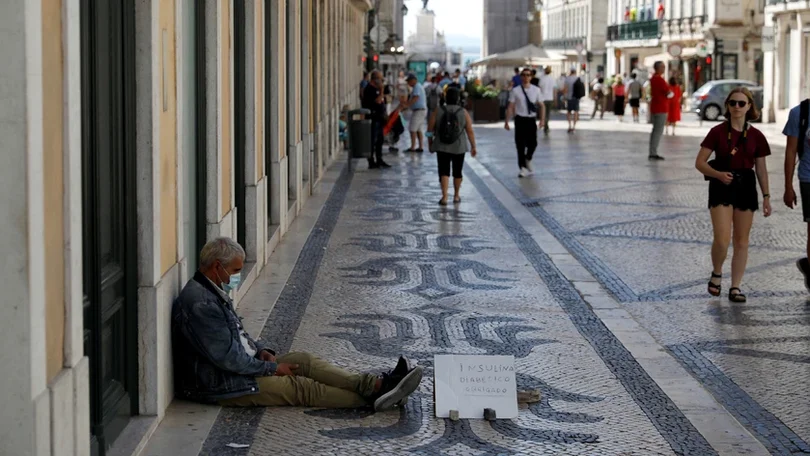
point(531, 140)
point(378, 146)
point(321, 371)
point(520, 142)
point(549, 108)
point(297, 391)
point(658, 121)
point(413, 141)
point(569, 107)
point(373, 151)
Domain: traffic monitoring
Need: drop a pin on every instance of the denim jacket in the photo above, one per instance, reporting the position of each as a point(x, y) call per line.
point(210, 361)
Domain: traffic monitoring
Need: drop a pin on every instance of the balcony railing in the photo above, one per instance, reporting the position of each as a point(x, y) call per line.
point(563, 43)
point(776, 2)
point(644, 30)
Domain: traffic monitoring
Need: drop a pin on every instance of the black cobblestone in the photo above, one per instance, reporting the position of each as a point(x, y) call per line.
point(662, 412)
point(240, 425)
point(765, 426)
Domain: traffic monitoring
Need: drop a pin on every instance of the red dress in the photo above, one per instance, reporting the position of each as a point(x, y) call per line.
point(674, 113)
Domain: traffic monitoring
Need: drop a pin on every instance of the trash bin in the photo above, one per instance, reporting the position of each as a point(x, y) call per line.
point(359, 133)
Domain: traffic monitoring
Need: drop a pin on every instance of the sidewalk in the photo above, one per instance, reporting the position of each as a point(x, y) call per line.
point(689, 126)
point(383, 270)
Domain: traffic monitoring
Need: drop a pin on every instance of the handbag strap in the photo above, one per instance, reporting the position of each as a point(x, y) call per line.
point(743, 138)
point(528, 102)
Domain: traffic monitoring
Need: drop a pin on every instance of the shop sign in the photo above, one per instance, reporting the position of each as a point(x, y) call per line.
point(675, 49)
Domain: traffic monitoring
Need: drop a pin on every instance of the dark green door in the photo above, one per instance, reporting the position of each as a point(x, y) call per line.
point(108, 167)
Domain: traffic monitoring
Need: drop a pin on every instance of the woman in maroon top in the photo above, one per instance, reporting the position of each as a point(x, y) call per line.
point(738, 149)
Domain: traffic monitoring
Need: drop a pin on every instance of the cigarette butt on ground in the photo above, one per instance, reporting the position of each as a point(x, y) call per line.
point(529, 396)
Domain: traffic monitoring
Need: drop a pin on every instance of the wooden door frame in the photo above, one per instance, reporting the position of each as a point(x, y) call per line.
point(91, 250)
point(200, 107)
point(240, 177)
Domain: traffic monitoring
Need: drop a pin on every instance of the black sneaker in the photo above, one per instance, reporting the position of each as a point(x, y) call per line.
point(372, 165)
point(804, 266)
point(655, 157)
point(383, 164)
point(402, 368)
point(396, 388)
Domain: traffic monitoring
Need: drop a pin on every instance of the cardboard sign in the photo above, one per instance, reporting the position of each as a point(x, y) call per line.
point(471, 383)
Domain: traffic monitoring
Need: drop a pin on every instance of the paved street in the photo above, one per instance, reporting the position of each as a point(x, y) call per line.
point(591, 273)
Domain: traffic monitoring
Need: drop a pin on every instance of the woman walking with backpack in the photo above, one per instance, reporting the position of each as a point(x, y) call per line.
point(739, 150)
point(453, 128)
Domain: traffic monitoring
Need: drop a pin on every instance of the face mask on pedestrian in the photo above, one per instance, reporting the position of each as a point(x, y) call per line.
point(233, 280)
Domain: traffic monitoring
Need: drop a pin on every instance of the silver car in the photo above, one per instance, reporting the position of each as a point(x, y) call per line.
point(708, 100)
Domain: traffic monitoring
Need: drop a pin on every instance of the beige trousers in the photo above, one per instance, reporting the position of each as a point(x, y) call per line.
point(316, 383)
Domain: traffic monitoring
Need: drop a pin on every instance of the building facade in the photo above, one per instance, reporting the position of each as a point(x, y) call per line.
point(505, 25)
point(786, 40)
point(698, 40)
point(577, 29)
point(134, 131)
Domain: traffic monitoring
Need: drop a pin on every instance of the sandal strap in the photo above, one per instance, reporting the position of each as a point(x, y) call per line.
point(716, 276)
point(732, 289)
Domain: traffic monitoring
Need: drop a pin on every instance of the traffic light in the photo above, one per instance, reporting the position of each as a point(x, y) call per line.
point(367, 45)
point(589, 56)
point(708, 60)
point(376, 57)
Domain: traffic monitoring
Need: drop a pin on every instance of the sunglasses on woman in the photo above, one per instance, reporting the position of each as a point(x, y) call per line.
point(740, 103)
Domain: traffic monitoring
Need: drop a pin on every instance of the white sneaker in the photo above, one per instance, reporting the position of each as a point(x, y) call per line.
point(529, 166)
point(523, 172)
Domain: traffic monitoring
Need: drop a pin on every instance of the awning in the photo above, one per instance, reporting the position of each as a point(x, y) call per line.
point(526, 55)
point(686, 53)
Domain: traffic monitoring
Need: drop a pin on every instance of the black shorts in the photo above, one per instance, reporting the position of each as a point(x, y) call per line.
point(741, 194)
point(635, 102)
point(445, 160)
point(804, 190)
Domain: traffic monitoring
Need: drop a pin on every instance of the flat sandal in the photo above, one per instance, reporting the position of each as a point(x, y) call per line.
point(736, 297)
point(714, 289)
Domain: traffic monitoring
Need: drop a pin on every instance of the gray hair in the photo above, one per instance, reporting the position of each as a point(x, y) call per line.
point(222, 249)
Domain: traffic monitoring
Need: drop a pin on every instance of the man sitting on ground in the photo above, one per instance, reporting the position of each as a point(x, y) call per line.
point(216, 361)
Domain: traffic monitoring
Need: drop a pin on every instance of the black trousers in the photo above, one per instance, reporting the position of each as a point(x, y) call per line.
point(525, 138)
point(447, 161)
point(377, 138)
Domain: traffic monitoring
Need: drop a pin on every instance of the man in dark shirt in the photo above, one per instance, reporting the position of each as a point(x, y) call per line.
point(374, 100)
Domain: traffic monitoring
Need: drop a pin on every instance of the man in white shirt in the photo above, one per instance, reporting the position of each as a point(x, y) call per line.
point(525, 101)
point(548, 91)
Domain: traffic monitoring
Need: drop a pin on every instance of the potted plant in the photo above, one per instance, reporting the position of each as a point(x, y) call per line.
point(485, 104)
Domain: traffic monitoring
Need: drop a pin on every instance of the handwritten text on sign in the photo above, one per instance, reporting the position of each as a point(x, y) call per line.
point(471, 383)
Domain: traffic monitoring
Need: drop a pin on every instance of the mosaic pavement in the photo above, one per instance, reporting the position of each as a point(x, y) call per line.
point(386, 271)
point(643, 230)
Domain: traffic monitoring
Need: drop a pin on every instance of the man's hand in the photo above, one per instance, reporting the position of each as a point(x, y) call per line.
point(790, 197)
point(265, 355)
point(766, 207)
point(540, 123)
point(474, 151)
point(506, 125)
point(284, 369)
